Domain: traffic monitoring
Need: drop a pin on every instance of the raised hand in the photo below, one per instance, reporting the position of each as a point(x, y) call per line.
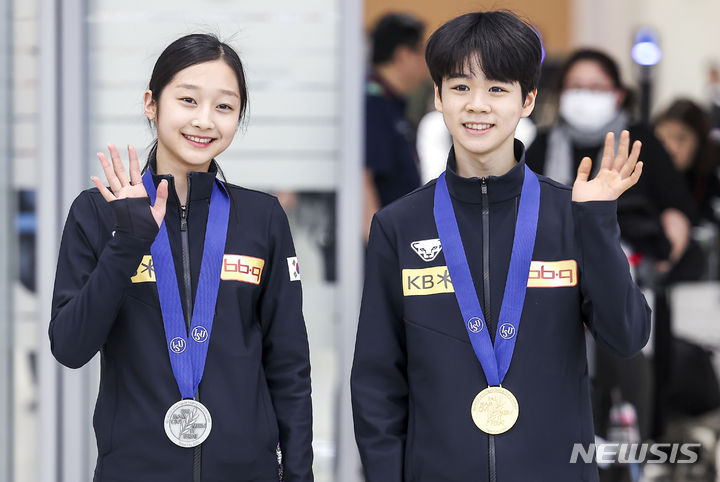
point(617, 174)
point(122, 187)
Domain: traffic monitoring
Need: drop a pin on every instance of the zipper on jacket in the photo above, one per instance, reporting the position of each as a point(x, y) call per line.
point(492, 472)
point(187, 279)
point(486, 256)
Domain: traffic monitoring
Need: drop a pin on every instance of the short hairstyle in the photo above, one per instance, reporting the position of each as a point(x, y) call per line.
point(392, 31)
point(503, 46)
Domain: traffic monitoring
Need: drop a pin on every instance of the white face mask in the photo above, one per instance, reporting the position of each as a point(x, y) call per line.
point(588, 110)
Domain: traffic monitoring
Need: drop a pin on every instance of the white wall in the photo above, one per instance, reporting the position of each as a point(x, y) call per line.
point(290, 52)
point(688, 30)
point(689, 33)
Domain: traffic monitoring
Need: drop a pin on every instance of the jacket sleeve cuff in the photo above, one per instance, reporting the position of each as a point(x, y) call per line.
point(598, 208)
point(133, 216)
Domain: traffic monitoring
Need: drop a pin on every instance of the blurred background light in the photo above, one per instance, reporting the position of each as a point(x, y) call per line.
point(646, 50)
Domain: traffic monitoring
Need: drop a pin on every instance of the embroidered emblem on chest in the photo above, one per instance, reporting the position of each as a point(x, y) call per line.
point(427, 249)
point(235, 267)
point(436, 279)
point(552, 274)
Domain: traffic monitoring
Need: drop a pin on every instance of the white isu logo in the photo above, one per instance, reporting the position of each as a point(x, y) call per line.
point(427, 249)
point(200, 334)
point(177, 345)
point(507, 330)
point(475, 324)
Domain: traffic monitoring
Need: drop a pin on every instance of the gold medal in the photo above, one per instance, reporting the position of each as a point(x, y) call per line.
point(495, 410)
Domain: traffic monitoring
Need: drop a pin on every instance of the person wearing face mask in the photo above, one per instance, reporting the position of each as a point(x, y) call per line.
point(655, 218)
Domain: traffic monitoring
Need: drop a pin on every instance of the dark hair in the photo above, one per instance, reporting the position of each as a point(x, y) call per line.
point(606, 64)
point(392, 31)
point(603, 60)
point(192, 50)
point(506, 49)
point(697, 120)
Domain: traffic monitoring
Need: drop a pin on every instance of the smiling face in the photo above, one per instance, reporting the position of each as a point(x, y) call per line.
point(196, 116)
point(481, 115)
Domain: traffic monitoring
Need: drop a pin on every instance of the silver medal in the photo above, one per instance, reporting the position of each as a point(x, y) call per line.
point(188, 423)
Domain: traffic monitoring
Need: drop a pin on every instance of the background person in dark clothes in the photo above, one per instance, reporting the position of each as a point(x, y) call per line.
point(654, 216)
point(684, 129)
point(398, 67)
point(594, 101)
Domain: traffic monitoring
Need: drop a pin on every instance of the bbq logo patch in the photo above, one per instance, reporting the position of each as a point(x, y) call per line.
point(436, 279)
point(427, 249)
point(552, 274)
point(235, 267)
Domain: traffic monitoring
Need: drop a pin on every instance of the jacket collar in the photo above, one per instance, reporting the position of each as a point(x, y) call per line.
point(199, 188)
point(499, 188)
point(376, 85)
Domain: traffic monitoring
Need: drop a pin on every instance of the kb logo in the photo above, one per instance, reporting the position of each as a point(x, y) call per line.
point(199, 334)
point(177, 345)
point(507, 331)
point(475, 324)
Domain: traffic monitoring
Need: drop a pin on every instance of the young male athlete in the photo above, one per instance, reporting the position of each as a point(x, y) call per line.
point(470, 360)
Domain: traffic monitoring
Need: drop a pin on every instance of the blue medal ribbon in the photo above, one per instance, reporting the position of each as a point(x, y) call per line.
point(495, 360)
point(188, 351)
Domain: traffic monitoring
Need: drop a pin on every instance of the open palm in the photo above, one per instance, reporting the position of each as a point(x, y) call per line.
point(618, 172)
point(123, 187)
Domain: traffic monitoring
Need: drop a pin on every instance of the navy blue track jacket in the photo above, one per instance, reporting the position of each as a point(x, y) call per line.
point(415, 373)
point(256, 383)
point(389, 142)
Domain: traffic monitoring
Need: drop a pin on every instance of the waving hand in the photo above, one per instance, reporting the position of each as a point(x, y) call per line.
point(618, 172)
point(121, 187)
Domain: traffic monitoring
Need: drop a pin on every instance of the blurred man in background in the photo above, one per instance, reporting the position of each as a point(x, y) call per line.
point(398, 68)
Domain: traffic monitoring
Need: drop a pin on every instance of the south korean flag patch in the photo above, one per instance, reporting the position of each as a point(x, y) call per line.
point(294, 268)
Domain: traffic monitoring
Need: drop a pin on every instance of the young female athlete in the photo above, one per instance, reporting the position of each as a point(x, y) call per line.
point(189, 288)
